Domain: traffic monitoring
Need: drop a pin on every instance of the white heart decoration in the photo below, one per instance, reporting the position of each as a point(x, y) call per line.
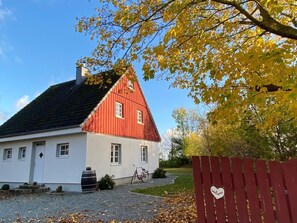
point(217, 192)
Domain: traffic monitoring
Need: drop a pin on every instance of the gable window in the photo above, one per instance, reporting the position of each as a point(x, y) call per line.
point(119, 110)
point(116, 154)
point(22, 153)
point(139, 117)
point(144, 154)
point(63, 150)
point(7, 154)
point(130, 84)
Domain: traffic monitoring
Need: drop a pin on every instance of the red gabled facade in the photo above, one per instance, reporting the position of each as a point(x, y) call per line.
point(103, 119)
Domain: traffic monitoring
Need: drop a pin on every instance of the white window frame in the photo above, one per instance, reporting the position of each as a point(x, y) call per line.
point(144, 154)
point(7, 154)
point(63, 150)
point(139, 117)
point(131, 85)
point(116, 154)
point(119, 110)
point(22, 153)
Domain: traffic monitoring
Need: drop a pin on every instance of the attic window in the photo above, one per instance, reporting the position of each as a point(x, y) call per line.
point(130, 84)
point(63, 150)
point(139, 117)
point(119, 110)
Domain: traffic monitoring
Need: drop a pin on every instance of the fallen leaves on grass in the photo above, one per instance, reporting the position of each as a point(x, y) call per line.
point(180, 208)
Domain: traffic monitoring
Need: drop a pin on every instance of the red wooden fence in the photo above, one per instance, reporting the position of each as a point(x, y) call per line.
point(244, 190)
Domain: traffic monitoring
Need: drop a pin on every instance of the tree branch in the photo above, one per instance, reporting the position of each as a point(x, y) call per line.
point(268, 23)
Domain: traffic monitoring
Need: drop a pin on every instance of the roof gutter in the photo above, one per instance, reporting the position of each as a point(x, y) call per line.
point(42, 134)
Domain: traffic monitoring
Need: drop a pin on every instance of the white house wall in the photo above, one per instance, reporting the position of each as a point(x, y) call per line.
point(57, 171)
point(65, 170)
point(99, 155)
point(15, 170)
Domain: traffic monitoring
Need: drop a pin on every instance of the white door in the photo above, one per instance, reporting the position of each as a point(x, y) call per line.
point(39, 164)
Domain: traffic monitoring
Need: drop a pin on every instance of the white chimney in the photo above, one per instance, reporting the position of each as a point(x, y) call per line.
point(81, 74)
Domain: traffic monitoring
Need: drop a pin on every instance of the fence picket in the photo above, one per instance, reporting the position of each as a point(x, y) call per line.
point(198, 190)
point(229, 190)
point(264, 191)
point(290, 176)
point(239, 190)
point(251, 190)
point(279, 192)
point(206, 178)
point(217, 182)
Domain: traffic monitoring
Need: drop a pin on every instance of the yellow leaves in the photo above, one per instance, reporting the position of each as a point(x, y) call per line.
point(212, 50)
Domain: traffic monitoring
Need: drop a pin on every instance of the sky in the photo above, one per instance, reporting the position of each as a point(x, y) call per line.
point(39, 47)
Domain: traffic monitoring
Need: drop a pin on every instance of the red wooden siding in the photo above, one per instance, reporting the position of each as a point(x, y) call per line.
point(256, 191)
point(104, 121)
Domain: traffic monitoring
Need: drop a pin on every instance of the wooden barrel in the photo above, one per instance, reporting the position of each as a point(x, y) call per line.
point(88, 180)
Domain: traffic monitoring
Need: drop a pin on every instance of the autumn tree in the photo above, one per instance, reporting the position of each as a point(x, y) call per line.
point(230, 53)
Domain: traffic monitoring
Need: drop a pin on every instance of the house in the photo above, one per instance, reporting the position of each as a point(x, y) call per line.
point(74, 125)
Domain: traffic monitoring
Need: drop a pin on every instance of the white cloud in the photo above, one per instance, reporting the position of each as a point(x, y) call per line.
point(5, 48)
point(22, 102)
point(4, 12)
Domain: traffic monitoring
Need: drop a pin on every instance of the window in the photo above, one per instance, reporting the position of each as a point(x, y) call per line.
point(115, 154)
point(63, 150)
point(130, 84)
point(22, 153)
point(7, 154)
point(144, 154)
point(119, 110)
point(139, 117)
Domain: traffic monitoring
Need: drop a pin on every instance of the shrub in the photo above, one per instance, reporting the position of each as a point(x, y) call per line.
point(5, 187)
point(106, 183)
point(59, 189)
point(174, 163)
point(159, 173)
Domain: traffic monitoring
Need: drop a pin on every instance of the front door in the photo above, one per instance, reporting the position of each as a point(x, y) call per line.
point(39, 163)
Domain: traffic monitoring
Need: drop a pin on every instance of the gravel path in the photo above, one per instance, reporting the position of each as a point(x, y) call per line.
point(118, 204)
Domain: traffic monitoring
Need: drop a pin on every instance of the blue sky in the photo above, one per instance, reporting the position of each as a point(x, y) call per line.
point(39, 48)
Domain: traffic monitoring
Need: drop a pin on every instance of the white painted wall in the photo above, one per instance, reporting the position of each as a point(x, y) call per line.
point(65, 170)
point(99, 155)
point(15, 170)
point(56, 170)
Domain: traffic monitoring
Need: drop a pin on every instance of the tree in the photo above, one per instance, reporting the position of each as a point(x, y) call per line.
point(166, 143)
point(231, 53)
point(187, 120)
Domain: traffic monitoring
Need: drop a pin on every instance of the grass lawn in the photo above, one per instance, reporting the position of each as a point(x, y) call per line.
point(183, 183)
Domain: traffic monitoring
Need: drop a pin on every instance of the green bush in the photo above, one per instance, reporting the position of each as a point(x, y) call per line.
point(59, 189)
point(5, 187)
point(159, 173)
point(174, 163)
point(106, 183)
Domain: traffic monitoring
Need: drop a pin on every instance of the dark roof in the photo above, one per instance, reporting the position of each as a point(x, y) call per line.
point(61, 106)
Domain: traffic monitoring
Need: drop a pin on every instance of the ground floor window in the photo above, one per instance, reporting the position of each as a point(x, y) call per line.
point(63, 150)
point(7, 154)
point(116, 154)
point(144, 154)
point(22, 153)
